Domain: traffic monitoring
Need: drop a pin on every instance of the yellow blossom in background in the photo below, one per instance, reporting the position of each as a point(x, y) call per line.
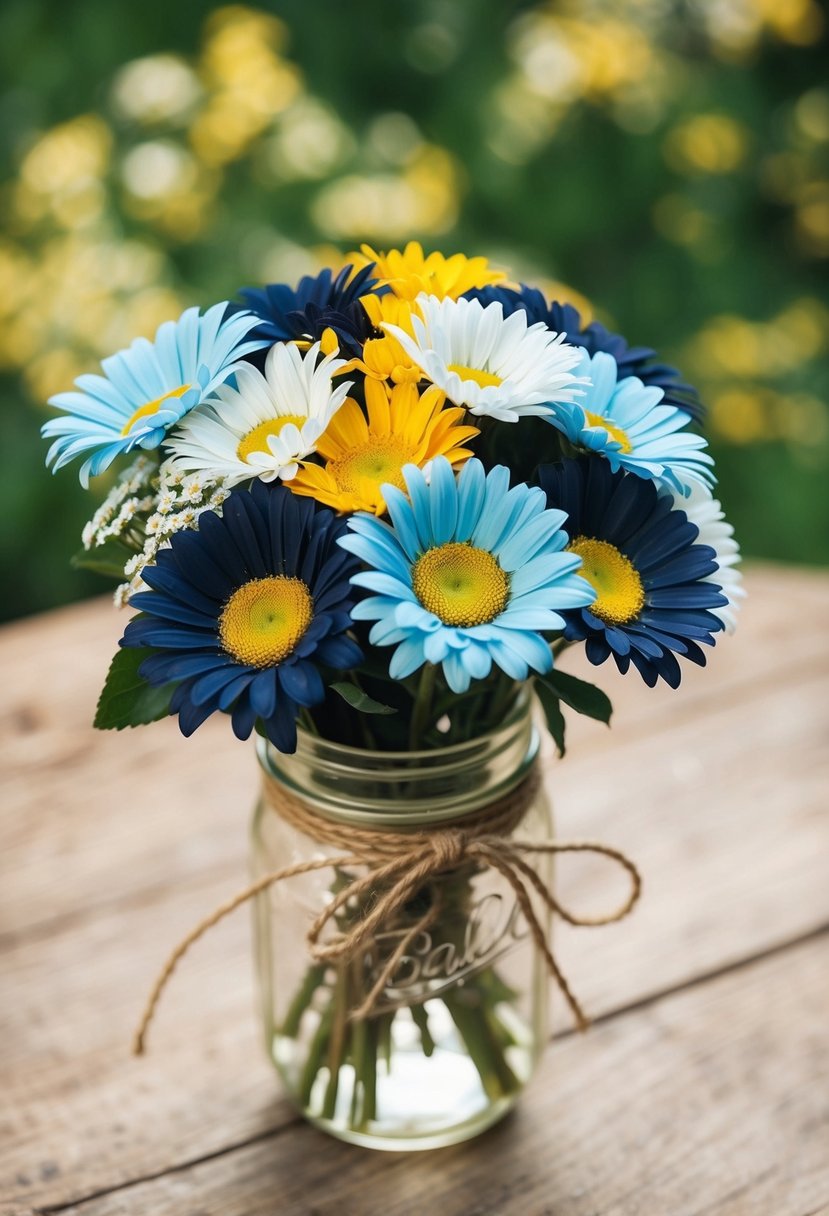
point(735, 28)
point(422, 197)
point(60, 178)
point(707, 143)
point(247, 81)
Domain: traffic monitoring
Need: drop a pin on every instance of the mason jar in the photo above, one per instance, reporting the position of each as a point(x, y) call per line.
point(459, 1024)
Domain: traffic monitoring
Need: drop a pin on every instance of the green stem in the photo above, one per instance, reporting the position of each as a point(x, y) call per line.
point(336, 1043)
point(370, 1075)
point(421, 1020)
point(422, 705)
point(496, 1075)
point(501, 698)
point(358, 1056)
point(313, 1061)
point(314, 976)
point(384, 1038)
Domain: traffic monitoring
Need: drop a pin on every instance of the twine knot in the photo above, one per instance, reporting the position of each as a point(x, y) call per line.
point(393, 868)
point(449, 846)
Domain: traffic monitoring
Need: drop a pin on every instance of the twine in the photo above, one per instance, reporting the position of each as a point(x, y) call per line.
point(398, 865)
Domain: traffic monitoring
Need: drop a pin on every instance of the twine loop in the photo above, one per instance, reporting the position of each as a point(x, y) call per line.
point(394, 867)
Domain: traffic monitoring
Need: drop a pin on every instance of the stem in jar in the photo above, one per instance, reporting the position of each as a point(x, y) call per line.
point(358, 1055)
point(370, 1074)
point(422, 705)
point(312, 980)
point(421, 1020)
point(496, 1075)
point(384, 1038)
point(313, 1061)
point(336, 1043)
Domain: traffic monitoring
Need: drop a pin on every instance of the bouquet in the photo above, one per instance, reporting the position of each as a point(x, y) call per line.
point(377, 506)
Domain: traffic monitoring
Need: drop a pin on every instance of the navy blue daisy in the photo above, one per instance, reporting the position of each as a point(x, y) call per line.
point(640, 554)
point(636, 361)
point(318, 302)
point(244, 611)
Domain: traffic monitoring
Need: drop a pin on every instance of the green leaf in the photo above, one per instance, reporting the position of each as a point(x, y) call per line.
point(108, 559)
point(126, 699)
point(584, 698)
point(360, 700)
point(552, 712)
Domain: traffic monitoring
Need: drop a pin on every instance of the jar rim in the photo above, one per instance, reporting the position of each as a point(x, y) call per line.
point(517, 710)
point(408, 789)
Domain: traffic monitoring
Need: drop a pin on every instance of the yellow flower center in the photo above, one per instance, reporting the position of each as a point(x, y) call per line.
point(378, 461)
point(620, 596)
point(257, 439)
point(462, 585)
point(152, 407)
point(614, 431)
point(264, 619)
point(484, 379)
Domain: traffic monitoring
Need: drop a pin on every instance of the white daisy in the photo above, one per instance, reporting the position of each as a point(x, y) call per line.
point(495, 366)
point(705, 511)
point(266, 424)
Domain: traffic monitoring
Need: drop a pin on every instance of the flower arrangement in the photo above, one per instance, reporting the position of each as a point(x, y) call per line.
point(412, 443)
point(378, 505)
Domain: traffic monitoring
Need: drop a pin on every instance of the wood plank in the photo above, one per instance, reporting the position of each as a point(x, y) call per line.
point(714, 1101)
point(121, 844)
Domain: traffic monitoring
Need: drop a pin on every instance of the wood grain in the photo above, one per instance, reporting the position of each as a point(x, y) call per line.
point(714, 1100)
point(116, 843)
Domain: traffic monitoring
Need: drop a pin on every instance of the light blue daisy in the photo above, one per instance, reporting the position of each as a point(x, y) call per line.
point(627, 423)
point(469, 573)
point(147, 388)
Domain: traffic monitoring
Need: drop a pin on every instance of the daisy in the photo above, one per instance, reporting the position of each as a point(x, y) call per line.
point(469, 573)
point(640, 361)
point(503, 368)
point(704, 511)
point(243, 611)
point(409, 272)
point(654, 596)
point(627, 423)
point(317, 303)
point(266, 424)
point(148, 388)
point(362, 453)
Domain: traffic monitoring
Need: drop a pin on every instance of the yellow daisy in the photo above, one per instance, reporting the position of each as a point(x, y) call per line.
point(410, 272)
point(362, 454)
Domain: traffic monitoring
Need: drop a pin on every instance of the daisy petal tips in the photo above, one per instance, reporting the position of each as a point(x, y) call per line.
point(658, 597)
point(266, 424)
point(469, 573)
point(500, 367)
point(626, 422)
point(147, 388)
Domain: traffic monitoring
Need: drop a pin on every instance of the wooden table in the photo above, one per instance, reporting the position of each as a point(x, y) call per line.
point(702, 1088)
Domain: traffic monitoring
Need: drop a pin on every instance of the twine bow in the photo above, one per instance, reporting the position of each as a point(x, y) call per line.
point(399, 864)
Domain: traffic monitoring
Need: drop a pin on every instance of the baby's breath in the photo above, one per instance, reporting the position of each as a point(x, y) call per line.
point(144, 508)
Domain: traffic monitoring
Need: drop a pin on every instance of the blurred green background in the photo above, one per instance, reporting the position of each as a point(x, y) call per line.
point(666, 161)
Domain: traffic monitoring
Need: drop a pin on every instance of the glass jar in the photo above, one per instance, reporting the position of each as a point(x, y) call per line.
point(461, 1022)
